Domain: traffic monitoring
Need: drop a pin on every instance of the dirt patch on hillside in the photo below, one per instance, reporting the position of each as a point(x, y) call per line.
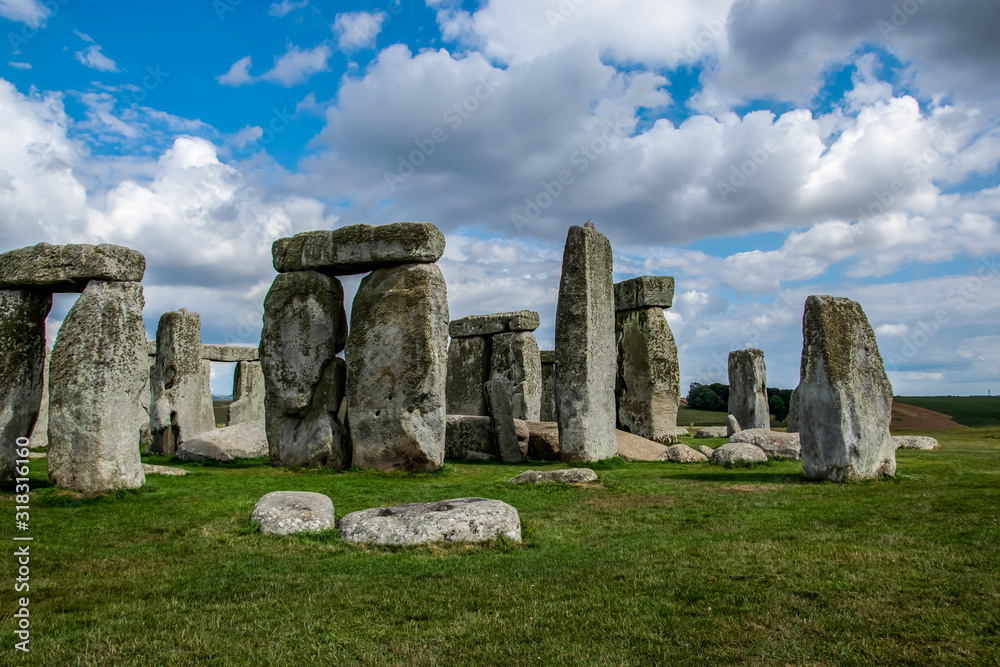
point(911, 418)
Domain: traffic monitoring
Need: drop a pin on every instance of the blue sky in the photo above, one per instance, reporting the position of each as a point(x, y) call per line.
point(759, 151)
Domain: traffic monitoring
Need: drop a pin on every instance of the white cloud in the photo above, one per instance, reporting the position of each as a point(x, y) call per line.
point(84, 36)
point(19, 65)
point(246, 135)
point(93, 58)
point(29, 12)
point(358, 30)
point(297, 65)
point(238, 74)
point(286, 7)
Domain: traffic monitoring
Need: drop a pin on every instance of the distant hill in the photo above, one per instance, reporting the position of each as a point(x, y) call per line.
point(966, 410)
point(217, 397)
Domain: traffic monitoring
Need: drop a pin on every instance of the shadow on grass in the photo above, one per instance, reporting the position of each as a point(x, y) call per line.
point(743, 476)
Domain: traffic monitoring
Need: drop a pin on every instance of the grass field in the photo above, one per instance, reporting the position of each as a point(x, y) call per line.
point(966, 410)
point(659, 564)
point(687, 417)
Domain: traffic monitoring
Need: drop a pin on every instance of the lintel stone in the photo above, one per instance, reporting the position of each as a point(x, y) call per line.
point(68, 268)
point(487, 325)
point(229, 353)
point(359, 248)
point(644, 292)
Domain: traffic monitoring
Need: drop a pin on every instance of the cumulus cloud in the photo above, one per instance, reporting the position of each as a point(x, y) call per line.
point(286, 7)
point(297, 65)
point(238, 74)
point(93, 58)
point(30, 12)
point(19, 65)
point(358, 30)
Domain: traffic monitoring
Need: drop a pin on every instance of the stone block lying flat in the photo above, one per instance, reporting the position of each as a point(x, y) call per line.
point(570, 476)
point(487, 325)
point(359, 248)
point(684, 454)
point(775, 444)
point(644, 292)
point(915, 442)
point(735, 453)
point(712, 432)
point(68, 268)
point(287, 512)
point(244, 441)
point(229, 353)
point(459, 520)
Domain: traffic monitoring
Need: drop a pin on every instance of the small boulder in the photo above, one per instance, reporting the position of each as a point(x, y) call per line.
point(543, 440)
point(481, 457)
point(774, 444)
point(736, 453)
point(706, 450)
point(150, 469)
point(915, 442)
point(681, 431)
point(287, 512)
point(683, 454)
point(569, 476)
point(732, 425)
point(243, 441)
point(712, 432)
point(635, 448)
point(459, 520)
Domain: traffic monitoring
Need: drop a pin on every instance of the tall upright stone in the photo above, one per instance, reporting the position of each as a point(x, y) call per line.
point(248, 394)
point(22, 364)
point(648, 385)
point(96, 377)
point(468, 371)
point(517, 364)
point(585, 348)
point(179, 384)
point(502, 421)
point(793, 412)
point(40, 434)
point(748, 389)
point(305, 327)
point(844, 395)
point(548, 363)
point(397, 368)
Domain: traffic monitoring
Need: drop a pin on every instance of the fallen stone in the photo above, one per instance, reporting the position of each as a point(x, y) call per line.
point(150, 469)
point(736, 453)
point(479, 457)
point(915, 442)
point(543, 441)
point(36, 455)
point(748, 389)
point(305, 326)
point(96, 374)
point(648, 385)
point(468, 372)
point(570, 476)
point(845, 399)
point(706, 450)
point(775, 444)
point(243, 441)
point(681, 431)
point(712, 432)
point(248, 394)
point(396, 355)
point(636, 448)
point(586, 353)
point(359, 248)
point(22, 370)
point(644, 292)
point(732, 426)
point(288, 512)
point(502, 422)
point(458, 520)
point(516, 363)
point(229, 353)
point(681, 453)
point(68, 268)
point(488, 325)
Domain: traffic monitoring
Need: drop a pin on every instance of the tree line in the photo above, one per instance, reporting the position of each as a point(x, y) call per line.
point(715, 397)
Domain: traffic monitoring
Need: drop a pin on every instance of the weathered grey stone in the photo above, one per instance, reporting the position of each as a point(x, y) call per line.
point(243, 441)
point(359, 248)
point(488, 325)
point(644, 292)
point(288, 512)
point(465, 433)
point(181, 395)
point(585, 348)
point(543, 441)
point(636, 448)
point(683, 454)
point(845, 399)
point(736, 453)
point(712, 432)
point(748, 389)
point(793, 412)
point(68, 268)
point(547, 412)
point(479, 457)
point(458, 520)
point(648, 386)
point(775, 444)
point(516, 363)
point(229, 353)
point(95, 379)
point(248, 394)
point(547, 356)
point(396, 357)
point(151, 350)
point(40, 434)
point(570, 476)
point(305, 326)
point(468, 371)
point(732, 425)
point(170, 471)
point(681, 431)
point(706, 450)
point(22, 369)
point(502, 421)
point(915, 442)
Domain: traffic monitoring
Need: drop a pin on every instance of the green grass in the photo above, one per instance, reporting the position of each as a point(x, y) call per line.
point(688, 417)
point(966, 410)
point(660, 564)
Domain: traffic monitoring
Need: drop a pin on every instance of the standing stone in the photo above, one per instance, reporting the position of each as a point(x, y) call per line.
point(748, 389)
point(547, 412)
point(502, 421)
point(517, 364)
point(40, 434)
point(648, 386)
point(585, 348)
point(793, 412)
point(845, 399)
point(397, 368)
point(22, 366)
point(248, 394)
point(732, 426)
point(181, 394)
point(96, 377)
point(468, 371)
point(305, 327)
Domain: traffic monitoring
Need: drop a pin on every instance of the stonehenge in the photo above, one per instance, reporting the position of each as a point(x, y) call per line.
point(748, 389)
point(548, 406)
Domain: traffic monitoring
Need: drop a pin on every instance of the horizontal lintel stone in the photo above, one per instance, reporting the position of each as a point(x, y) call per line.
point(68, 268)
point(359, 249)
point(487, 325)
point(644, 292)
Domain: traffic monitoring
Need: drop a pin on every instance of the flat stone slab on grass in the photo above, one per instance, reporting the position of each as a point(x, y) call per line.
point(243, 441)
point(681, 431)
point(68, 268)
point(632, 447)
point(458, 520)
point(487, 325)
point(570, 476)
point(359, 248)
point(150, 469)
point(774, 444)
point(712, 432)
point(915, 442)
point(683, 454)
point(706, 450)
point(288, 512)
point(736, 453)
